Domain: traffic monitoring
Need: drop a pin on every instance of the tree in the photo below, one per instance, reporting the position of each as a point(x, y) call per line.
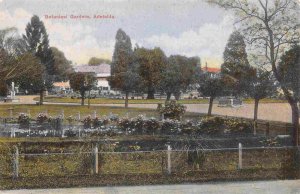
point(152, 63)
point(235, 64)
point(15, 62)
point(271, 27)
point(62, 66)
point(37, 41)
point(260, 85)
point(82, 82)
point(289, 70)
point(123, 76)
point(179, 73)
point(98, 61)
point(212, 88)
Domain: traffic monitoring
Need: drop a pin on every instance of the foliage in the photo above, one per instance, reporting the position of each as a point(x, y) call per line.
point(23, 120)
point(170, 127)
point(62, 66)
point(151, 126)
point(180, 73)
point(211, 87)
point(152, 62)
point(82, 82)
point(172, 110)
point(87, 122)
point(97, 61)
point(289, 69)
point(3, 88)
point(41, 118)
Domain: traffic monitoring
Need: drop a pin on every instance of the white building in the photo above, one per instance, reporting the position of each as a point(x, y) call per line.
point(101, 71)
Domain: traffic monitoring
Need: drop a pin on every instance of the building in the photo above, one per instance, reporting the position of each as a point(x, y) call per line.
point(102, 73)
point(213, 72)
point(61, 87)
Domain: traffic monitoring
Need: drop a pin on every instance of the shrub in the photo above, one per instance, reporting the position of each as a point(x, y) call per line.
point(41, 118)
point(55, 123)
point(188, 128)
point(151, 126)
point(170, 126)
point(234, 126)
point(23, 121)
point(211, 125)
point(126, 124)
point(87, 122)
point(96, 122)
point(139, 124)
point(70, 120)
point(172, 110)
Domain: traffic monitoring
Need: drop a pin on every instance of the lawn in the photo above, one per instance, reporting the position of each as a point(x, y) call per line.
point(120, 101)
point(145, 101)
point(72, 110)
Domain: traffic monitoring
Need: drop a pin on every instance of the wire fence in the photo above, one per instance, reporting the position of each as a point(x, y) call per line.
point(147, 162)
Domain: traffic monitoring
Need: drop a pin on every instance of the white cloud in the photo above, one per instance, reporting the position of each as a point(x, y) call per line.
point(208, 41)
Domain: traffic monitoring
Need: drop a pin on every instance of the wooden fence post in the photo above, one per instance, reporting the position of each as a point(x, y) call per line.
point(254, 127)
point(240, 166)
point(267, 129)
point(96, 159)
point(169, 159)
point(16, 163)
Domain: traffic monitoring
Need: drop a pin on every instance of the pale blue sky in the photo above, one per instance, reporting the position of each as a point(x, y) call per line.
point(187, 27)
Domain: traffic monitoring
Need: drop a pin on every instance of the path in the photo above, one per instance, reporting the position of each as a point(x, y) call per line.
point(256, 187)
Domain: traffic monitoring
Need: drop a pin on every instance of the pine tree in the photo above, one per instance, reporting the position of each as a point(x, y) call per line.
point(121, 66)
point(37, 41)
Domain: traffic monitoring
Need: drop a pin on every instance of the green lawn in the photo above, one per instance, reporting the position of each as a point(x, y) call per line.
point(120, 101)
point(145, 101)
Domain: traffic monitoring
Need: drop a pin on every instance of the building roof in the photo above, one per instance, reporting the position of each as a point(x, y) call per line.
point(62, 84)
point(102, 70)
point(211, 69)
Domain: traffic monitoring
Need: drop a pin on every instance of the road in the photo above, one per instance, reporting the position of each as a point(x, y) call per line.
point(259, 187)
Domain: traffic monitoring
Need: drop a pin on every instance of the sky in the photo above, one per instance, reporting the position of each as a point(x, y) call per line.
point(185, 27)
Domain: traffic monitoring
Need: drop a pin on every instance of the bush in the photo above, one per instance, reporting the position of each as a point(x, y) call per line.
point(151, 126)
point(188, 128)
point(126, 124)
point(87, 122)
point(41, 118)
point(172, 110)
point(170, 127)
point(24, 121)
point(55, 123)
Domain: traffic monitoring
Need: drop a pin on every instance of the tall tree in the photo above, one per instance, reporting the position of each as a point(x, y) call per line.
point(152, 63)
point(62, 66)
point(82, 82)
point(180, 72)
point(37, 41)
point(98, 61)
point(271, 27)
point(235, 64)
point(122, 63)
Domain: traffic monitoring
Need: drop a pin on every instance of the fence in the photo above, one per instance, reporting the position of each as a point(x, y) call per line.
point(147, 162)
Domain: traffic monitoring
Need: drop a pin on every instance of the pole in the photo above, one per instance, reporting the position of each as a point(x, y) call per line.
point(240, 156)
point(16, 163)
point(169, 159)
point(96, 159)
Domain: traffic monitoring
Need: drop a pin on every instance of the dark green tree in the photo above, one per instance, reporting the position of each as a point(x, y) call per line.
point(180, 73)
point(37, 41)
point(82, 82)
point(62, 66)
point(236, 64)
point(152, 63)
point(211, 87)
point(124, 73)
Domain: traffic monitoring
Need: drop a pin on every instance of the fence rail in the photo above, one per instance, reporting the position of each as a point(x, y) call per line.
point(146, 162)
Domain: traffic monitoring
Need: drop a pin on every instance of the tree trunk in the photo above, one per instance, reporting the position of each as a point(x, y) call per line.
point(150, 94)
point(82, 98)
point(126, 99)
point(41, 97)
point(177, 95)
point(256, 101)
point(89, 99)
point(211, 100)
point(168, 96)
point(295, 121)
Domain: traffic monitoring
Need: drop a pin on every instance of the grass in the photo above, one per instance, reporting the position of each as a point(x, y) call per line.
point(119, 101)
point(146, 101)
point(72, 110)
